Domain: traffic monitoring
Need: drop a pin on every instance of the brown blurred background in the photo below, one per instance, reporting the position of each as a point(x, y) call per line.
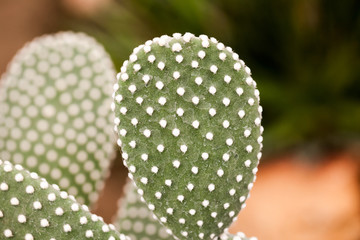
point(308, 52)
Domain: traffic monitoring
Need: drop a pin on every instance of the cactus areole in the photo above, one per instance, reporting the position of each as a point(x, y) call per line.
point(189, 123)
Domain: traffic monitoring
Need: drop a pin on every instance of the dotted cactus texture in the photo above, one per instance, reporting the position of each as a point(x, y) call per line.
point(237, 236)
point(135, 219)
point(31, 209)
point(55, 116)
point(189, 122)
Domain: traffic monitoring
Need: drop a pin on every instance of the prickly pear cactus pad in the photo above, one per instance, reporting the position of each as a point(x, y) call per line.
point(237, 236)
point(189, 123)
point(55, 116)
point(135, 219)
point(32, 209)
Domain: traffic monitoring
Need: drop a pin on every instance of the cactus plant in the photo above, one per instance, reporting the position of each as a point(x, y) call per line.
point(189, 123)
point(135, 219)
point(237, 236)
point(31, 208)
point(55, 116)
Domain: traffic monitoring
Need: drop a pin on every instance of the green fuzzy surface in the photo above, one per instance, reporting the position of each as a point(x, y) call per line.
point(195, 171)
point(237, 236)
point(32, 209)
point(55, 116)
point(135, 219)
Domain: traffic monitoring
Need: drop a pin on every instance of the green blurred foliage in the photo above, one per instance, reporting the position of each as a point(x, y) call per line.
point(304, 54)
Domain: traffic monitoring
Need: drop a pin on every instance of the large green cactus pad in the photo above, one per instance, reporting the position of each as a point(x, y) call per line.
point(135, 219)
point(55, 116)
point(189, 122)
point(32, 209)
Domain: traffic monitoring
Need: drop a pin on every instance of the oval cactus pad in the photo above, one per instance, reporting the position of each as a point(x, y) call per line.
point(189, 122)
point(32, 209)
point(55, 116)
point(135, 219)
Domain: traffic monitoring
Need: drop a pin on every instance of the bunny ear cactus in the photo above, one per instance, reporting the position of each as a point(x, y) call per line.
point(135, 219)
point(55, 116)
point(31, 209)
point(237, 236)
point(189, 123)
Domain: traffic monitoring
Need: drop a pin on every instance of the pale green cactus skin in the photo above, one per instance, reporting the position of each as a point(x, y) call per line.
point(189, 123)
point(135, 219)
point(237, 236)
point(32, 209)
point(55, 116)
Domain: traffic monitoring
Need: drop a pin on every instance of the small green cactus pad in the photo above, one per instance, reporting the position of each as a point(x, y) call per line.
point(189, 122)
point(135, 219)
point(237, 236)
point(32, 209)
point(55, 116)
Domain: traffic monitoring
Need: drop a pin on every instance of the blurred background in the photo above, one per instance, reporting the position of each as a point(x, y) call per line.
point(305, 57)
